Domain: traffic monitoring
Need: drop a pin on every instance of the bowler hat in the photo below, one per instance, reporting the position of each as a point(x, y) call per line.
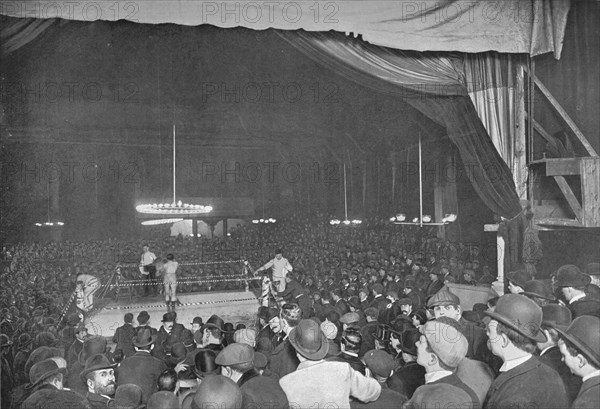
point(408, 341)
point(95, 363)
point(538, 288)
point(197, 320)
point(80, 328)
point(169, 317)
point(520, 314)
point(308, 340)
point(354, 301)
point(92, 346)
point(144, 338)
point(128, 318)
point(214, 322)
point(443, 297)
point(235, 354)
point(556, 316)
point(129, 396)
point(73, 319)
point(204, 363)
point(43, 370)
point(519, 277)
point(260, 360)
point(583, 334)
point(570, 276)
point(272, 313)
point(178, 351)
point(217, 391)
point(163, 400)
point(143, 317)
point(24, 340)
point(405, 301)
point(379, 362)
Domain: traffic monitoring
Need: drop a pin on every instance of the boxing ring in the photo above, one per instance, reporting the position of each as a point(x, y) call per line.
point(233, 305)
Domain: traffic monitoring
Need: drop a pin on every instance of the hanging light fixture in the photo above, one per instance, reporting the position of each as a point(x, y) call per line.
point(48, 222)
point(264, 220)
point(346, 221)
point(423, 218)
point(155, 222)
point(175, 208)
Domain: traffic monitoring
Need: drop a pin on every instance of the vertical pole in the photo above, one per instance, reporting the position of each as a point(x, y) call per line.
point(345, 195)
point(501, 248)
point(420, 185)
point(174, 176)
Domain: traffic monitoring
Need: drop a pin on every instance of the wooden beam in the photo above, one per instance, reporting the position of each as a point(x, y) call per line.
point(565, 117)
point(540, 129)
point(559, 222)
point(590, 188)
point(570, 196)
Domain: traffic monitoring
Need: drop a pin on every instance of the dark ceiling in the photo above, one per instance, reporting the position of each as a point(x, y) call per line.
point(128, 83)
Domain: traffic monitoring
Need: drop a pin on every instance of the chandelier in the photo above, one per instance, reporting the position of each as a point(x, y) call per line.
point(400, 218)
point(48, 222)
point(346, 221)
point(176, 207)
point(156, 222)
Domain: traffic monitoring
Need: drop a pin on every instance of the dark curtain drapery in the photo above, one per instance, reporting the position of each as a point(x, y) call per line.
point(434, 84)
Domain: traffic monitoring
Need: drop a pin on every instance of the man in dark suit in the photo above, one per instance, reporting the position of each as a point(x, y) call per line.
point(369, 330)
point(124, 336)
point(436, 283)
point(295, 293)
point(267, 339)
point(414, 293)
point(557, 316)
point(237, 363)
point(283, 359)
point(381, 367)
point(169, 333)
point(350, 345)
point(513, 331)
point(411, 375)
point(572, 282)
point(580, 346)
point(76, 346)
point(141, 368)
point(339, 304)
point(142, 319)
point(379, 301)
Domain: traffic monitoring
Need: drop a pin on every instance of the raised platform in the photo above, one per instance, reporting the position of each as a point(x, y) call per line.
point(233, 306)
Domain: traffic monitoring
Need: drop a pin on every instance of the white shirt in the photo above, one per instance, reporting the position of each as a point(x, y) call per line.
point(513, 363)
point(280, 267)
point(148, 258)
point(577, 297)
point(434, 376)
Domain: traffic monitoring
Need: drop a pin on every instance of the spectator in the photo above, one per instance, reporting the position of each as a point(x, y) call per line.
point(579, 344)
point(100, 379)
point(124, 335)
point(381, 366)
point(440, 349)
point(238, 364)
point(513, 331)
point(317, 382)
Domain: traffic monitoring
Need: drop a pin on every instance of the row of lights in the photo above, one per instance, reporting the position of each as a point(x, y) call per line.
point(173, 208)
point(346, 222)
point(401, 217)
point(264, 221)
point(49, 224)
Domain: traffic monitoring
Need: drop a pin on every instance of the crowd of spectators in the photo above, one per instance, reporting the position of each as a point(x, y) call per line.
point(351, 329)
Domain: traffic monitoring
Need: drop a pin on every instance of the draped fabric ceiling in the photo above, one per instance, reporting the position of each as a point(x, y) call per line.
point(440, 80)
point(507, 26)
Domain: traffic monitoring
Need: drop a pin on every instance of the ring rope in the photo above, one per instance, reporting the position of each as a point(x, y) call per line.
point(189, 263)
